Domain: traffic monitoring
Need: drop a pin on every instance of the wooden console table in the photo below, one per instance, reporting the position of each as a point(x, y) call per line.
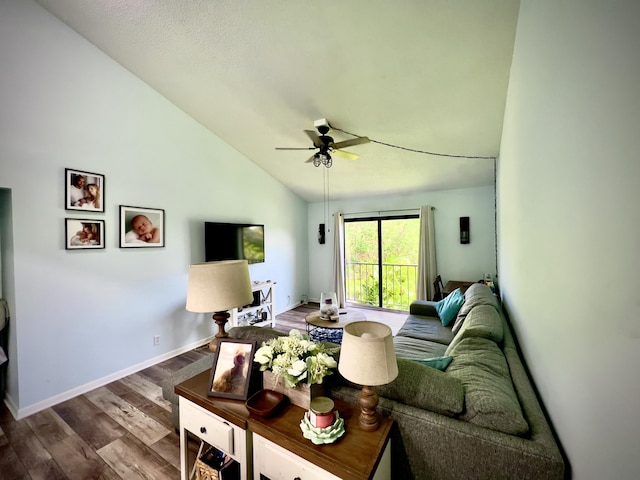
point(274, 447)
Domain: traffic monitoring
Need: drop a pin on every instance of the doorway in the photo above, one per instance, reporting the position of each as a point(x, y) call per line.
point(381, 261)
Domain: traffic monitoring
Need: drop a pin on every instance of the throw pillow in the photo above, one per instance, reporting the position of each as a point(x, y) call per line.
point(448, 307)
point(439, 363)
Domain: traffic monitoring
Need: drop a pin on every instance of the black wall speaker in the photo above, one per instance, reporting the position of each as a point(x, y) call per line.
point(465, 236)
point(321, 234)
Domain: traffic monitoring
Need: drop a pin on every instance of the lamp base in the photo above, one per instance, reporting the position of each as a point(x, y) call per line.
point(368, 400)
point(220, 319)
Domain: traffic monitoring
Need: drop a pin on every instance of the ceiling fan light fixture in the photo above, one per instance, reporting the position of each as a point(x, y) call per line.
point(322, 158)
point(325, 144)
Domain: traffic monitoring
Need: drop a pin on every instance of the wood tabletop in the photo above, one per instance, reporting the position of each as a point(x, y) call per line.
point(344, 318)
point(353, 456)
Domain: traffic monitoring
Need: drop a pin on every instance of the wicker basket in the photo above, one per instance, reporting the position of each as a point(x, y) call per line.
point(204, 471)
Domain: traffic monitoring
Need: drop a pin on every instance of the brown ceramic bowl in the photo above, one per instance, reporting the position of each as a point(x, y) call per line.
point(265, 403)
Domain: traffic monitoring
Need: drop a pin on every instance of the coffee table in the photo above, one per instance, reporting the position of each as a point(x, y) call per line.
point(330, 330)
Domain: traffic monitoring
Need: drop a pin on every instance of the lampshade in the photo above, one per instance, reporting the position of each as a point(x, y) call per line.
point(218, 286)
point(367, 356)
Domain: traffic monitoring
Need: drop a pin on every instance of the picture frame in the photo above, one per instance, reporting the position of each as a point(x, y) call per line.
point(231, 371)
point(83, 191)
point(84, 233)
point(141, 227)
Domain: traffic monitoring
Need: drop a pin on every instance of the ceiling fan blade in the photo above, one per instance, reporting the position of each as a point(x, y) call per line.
point(314, 137)
point(349, 143)
point(295, 148)
point(310, 158)
point(343, 154)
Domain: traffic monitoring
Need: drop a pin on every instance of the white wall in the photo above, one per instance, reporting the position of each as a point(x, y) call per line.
point(81, 317)
point(455, 261)
point(568, 197)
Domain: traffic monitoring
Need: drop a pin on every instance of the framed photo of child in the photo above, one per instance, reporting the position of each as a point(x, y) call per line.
point(141, 227)
point(83, 234)
point(83, 191)
point(231, 369)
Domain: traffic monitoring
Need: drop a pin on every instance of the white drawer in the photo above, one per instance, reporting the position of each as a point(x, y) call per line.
point(276, 463)
point(206, 425)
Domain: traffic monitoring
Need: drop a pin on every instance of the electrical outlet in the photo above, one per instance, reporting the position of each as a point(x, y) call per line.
point(156, 340)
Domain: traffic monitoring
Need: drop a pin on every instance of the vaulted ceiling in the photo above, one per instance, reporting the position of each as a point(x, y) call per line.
point(415, 76)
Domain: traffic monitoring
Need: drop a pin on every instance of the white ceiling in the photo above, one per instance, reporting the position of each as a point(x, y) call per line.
point(425, 75)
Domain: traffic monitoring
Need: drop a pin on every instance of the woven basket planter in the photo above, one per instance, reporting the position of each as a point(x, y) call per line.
point(301, 395)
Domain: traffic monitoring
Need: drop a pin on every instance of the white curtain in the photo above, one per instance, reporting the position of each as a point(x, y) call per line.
point(427, 255)
point(338, 258)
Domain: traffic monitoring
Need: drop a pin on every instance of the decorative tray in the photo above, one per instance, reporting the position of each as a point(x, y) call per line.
point(265, 403)
point(321, 436)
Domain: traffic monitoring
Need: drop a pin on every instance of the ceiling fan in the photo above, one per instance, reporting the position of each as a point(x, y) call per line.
point(326, 146)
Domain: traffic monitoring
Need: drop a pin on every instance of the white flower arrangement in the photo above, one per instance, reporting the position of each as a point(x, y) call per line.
point(296, 358)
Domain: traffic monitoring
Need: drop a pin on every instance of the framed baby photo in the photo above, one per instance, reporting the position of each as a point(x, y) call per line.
point(84, 233)
point(83, 191)
point(141, 227)
point(231, 369)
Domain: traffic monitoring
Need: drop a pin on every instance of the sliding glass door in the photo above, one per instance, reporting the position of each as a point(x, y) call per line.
point(381, 261)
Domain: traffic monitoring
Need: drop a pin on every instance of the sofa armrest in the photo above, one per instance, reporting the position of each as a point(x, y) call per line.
point(423, 308)
point(184, 374)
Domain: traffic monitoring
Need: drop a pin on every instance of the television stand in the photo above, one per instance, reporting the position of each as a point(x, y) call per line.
point(262, 314)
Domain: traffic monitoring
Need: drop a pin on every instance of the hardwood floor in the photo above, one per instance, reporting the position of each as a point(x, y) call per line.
point(122, 430)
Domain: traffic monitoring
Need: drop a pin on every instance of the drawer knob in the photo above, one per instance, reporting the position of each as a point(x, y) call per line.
point(203, 430)
point(297, 478)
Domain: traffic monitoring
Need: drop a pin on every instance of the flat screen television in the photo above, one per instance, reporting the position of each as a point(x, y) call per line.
point(233, 241)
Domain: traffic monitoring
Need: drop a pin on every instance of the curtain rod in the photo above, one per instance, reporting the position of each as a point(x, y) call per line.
point(385, 211)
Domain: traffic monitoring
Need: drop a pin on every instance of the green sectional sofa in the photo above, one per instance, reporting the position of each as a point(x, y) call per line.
point(479, 418)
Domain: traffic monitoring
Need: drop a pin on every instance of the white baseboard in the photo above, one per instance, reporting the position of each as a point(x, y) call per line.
point(290, 307)
point(11, 405)
point(20, 413)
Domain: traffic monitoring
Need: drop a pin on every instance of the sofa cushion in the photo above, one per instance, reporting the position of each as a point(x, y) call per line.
point(252, 332)
point(476, 294)
point(416, 349)
point(426, 328)
point(483, 321)
point(449, 306)
point(424, 387)
point(490, 399)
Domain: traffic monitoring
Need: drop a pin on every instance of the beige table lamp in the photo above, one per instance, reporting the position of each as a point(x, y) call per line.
point(217, 287)
point(367, 358)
